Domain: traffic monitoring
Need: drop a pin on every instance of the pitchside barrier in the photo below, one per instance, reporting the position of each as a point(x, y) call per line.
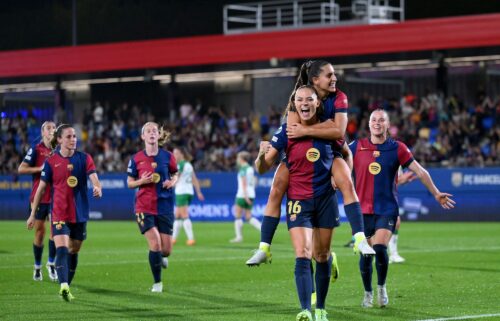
point(476, 191)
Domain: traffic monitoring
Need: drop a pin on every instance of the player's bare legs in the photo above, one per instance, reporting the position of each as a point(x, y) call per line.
point(342, 175)
point(272, 213)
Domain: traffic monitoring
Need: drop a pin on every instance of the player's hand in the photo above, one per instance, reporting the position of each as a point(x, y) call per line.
point(445, 200)
point(30, 222)
point(200, 196)
point(264, 147)
point(168, 184)
point(147, 178)
point(296, 131)
point(97, 191)
point(249, 201)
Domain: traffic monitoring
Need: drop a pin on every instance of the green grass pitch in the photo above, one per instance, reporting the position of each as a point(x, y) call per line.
point(452, 271)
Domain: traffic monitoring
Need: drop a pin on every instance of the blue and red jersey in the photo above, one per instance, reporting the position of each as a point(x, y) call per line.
point(35, 157)
point(153, 198)
point(334, 103)
point(309, 162)
point(68, 177)
point(375, 168)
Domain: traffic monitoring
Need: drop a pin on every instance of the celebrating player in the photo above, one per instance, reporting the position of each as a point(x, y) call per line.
point(376, 163)
point(33, 164)
point(154, 171)
point(66, 171)
point(321, 75)
point(312, 210)
point(184, 195)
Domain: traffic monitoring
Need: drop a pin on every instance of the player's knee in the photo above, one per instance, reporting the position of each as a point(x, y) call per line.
point(39, 236)
point(322, 256)
point(305, 252)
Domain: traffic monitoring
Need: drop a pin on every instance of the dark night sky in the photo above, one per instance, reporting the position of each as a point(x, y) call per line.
point(47, 23)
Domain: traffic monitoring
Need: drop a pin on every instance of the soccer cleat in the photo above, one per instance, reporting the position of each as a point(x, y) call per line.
point(190, 242)
point(65, 294)
point(164, 262)
point(382, 297)
point(314, 298)
point(367, 300)
point(260, 256)
point(396, 258)
point(37, 274)
point(304, 315)
point(51, 268)
point(236, 240)
point(320, 315)
point(349, 244)
point(157, 287)
point(361, 245)
point(335, 268)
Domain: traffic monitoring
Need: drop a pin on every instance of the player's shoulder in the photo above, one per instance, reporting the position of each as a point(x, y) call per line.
point(341, 95)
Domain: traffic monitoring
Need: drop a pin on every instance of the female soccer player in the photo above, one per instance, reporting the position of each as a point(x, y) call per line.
point(66, 171)
point(312, 210)
point(376, 162)
point(154, 171)
point(184, 195)
point(245, 196)
point(33, 164)
point(332, 126)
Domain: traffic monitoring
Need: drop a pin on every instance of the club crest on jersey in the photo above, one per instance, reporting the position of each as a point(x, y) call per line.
point(293, 217)
point(59, 225)
point(376, 153)
point(154, 165)
point(70, 167)
point(374, 168)
point(312, 154)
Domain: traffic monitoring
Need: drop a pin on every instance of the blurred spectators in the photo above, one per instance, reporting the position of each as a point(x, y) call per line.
point(440, 131)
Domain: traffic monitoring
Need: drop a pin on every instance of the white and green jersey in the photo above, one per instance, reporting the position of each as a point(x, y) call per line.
point(247, 172)
point(185, 182)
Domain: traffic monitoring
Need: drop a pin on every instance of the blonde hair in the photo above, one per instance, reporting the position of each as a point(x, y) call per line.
point(164, 134)
point(46, 123)
point(244, 156)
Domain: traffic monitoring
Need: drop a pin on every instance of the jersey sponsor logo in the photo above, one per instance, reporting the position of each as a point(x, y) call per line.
point(72, 181)
point(156, 178)
point(374, 168)
point(312, 154)
point(376, 153)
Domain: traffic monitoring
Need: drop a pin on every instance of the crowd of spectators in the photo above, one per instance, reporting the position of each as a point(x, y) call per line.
point(440, 131)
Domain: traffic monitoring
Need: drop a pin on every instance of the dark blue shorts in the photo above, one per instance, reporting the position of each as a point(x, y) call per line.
point(375, 222)
point(320, 212)
point(164, 222)
point(42, 212)
point(76, 231)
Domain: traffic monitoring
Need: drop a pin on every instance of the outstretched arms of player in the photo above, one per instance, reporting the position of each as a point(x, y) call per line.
point(442, 198)
point(266, 158)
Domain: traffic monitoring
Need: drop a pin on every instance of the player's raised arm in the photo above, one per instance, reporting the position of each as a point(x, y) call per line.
point(266, 158)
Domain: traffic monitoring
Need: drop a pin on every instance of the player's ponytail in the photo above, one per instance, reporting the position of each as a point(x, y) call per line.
point(164, 136)
point(58, 134)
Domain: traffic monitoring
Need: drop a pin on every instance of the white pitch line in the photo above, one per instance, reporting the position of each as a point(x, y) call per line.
point(465, 317)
